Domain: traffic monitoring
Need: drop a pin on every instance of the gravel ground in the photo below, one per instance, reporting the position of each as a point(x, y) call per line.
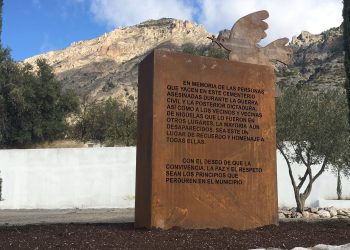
point(123, 236)
point(113, 229)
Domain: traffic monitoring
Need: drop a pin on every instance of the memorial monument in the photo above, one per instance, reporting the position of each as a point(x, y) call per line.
point(206, 150)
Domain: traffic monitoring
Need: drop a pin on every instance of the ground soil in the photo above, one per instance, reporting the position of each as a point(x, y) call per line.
point(123, 236)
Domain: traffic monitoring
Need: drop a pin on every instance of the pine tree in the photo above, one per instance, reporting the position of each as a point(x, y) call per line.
point(346, 27)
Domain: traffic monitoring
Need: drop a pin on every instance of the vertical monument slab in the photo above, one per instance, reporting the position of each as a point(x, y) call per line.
point(206, 155)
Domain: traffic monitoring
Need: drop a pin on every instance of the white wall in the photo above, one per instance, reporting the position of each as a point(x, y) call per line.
point(68, 178)
point(101, 178)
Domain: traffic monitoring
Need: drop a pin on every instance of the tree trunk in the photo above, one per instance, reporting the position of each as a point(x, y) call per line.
point(299, 200)
point(339, 186)
point(300, 203)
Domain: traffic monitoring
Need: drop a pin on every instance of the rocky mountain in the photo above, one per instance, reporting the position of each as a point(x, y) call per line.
point(107, 66)
point(318, 61)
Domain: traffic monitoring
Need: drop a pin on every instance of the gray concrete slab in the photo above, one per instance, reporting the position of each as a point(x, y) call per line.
point(28, 216)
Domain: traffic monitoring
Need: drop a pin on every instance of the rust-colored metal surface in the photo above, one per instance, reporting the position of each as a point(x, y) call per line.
point(144, 143)
point(243, 41)
point(206, 155)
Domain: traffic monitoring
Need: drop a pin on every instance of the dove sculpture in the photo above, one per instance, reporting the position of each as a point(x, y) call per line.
point(243, 41)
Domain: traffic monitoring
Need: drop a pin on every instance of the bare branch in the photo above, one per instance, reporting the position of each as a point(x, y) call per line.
point(308, 188)
point(299, 153)
point(289, 166)
point(302, 180)
point(324, 164)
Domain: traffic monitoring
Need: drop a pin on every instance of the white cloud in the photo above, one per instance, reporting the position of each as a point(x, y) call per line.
point(287, 17)
point(130, 12)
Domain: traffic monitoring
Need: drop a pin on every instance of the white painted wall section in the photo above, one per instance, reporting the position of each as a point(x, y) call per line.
point(68, 178)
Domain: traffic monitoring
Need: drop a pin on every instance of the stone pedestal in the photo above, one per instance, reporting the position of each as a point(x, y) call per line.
point(206, 151)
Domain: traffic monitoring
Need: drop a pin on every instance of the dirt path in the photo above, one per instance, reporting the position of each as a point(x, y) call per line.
point(28, 216)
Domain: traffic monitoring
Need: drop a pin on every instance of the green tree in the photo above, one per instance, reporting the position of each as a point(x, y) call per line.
point(9, 74)
point(107, 122)
point(52, 103)
point(190, 48)
point(210, 51)
point(34, 105)
point(346, 36)
point(341, 165)
point(96, 122)
point(311, 130)
point(79, 128)
point(214, 51)
point(122, 128)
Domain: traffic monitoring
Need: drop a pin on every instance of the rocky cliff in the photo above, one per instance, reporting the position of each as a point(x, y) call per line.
point(318, 61)
point(107, 66)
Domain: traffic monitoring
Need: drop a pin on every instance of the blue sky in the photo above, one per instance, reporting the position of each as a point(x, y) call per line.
point(33, 27)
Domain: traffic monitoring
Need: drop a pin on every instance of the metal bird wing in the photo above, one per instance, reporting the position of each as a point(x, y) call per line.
point(242, 43)
point(278, 51)
point(250, 29)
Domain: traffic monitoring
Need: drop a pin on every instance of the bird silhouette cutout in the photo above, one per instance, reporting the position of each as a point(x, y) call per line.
point(243, 41)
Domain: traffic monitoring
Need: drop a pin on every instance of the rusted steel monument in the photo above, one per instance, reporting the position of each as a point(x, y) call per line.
point(206, 153)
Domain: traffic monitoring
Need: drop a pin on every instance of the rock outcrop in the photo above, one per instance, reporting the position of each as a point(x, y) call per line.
point(318, 61)
point(107, 66)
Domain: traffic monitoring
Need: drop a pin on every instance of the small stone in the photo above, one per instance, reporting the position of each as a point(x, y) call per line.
point(313, 216)
point(342, 216)
point(286, 212)
point(321, 247)
point(298, 215)
point(306, 214)
point(324, 214)
point(333, 211)
point(330, 247)
point(341, 212)
point(281, 216)
point(294, 215)
point(313, 210)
